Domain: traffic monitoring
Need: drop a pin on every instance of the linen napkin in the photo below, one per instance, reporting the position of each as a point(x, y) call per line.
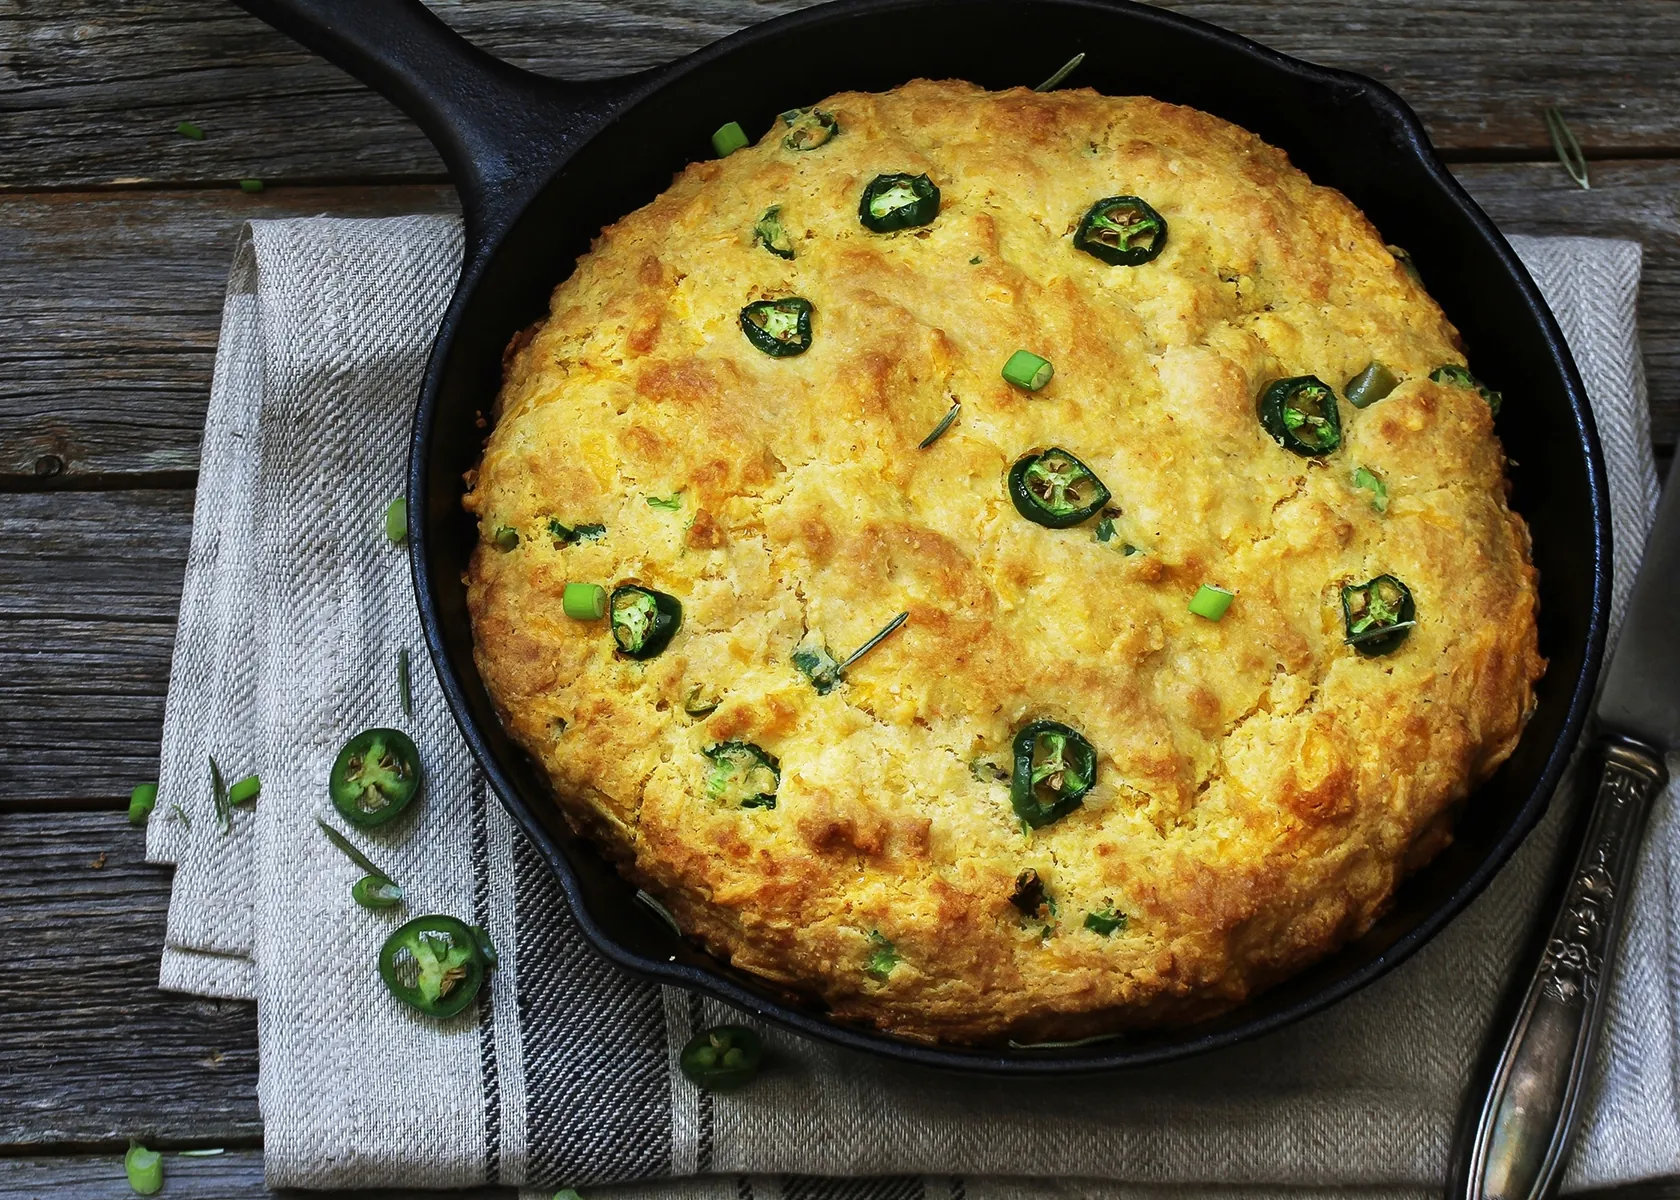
point(293, 616)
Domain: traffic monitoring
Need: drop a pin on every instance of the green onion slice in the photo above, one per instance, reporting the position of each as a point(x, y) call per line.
point(144, 1168)
point(883, 956)
point(396, 521)
point(1300, 413)
point(584, 601)
point(1122, 231)
point(770, 233)
point(1211, 602)
point(1372, 384)
point(671, 503)
point(808, 128)
point(506, 538)
point(742, 775)
point(1027, 370)
point(898, 201)
point(729, 138)
point(1458, 376)
point(780, 328)
point(141, 801)
point(1379, 615)
point(248, 788)
point(1368, 480)
point(1055, 489)
point(1054, 768)
point(1105, 921)
point(569, 535)
point(188, 130)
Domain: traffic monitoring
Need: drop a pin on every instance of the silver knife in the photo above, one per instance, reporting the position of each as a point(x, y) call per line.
point(1527, 1117)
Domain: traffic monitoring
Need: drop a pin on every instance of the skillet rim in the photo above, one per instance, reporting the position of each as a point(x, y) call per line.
point(1387, 112)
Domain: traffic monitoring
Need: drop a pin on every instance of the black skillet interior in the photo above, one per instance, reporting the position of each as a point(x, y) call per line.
point(1343, 130)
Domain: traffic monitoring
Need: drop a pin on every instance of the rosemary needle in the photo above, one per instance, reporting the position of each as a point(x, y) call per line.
point(219, 797)
point(350, 851)
point(403, 689)
point(873, 642)
point(1065, 70)
point(1567, 148)
point(939, 429)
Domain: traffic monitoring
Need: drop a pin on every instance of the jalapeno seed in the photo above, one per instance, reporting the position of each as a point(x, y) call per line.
point(584, 601)
point(1122, 231)
point(375, 777)
point(1055, 489)
point(1372, 384)
point(433, 964)
point(1300, 414)
point(770, 233)
point(1459, 376)
point(1027, 370)
point(808, 128)
point(729, 138)
point(742, 775)
point(898, 201)
point(1379, 615)
point(722, 1058)
point(643, 621)
point(780, 328)
point(1054, 768)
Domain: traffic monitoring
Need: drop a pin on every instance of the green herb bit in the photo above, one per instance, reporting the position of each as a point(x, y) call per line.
point(770, 233)
point(1368, 480)
point(1029, 895)
point(808, 128)
point(188, 130)
point(729, 138)
point(975, 261)
point(141, 801)
point(506, 538)
point(984, 771)
point(569, 535)
point(1372, 384)
point(219, 797)
point(247, 789)
point(723, 1058)
point(699, 704)
point(144, 1168)
point(814, 661)
point(1105, 921)
point(1027, 370)
point(396, 521)
point(251, 185)
point(939, 429)
point(1061, 73)
point(883, 956)
point(1567, 148)
point(742, 775)
point(1458, 376)
point(671, 503)
point(1105, 530)
point(658, 910)
point(405, 693)
point(349, 850)
point(584, 601)
point(1211, 602)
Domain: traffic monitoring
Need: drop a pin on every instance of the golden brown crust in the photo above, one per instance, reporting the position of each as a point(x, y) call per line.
point(1262, 787)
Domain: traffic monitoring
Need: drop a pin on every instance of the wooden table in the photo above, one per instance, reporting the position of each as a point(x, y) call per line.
point(115, 237)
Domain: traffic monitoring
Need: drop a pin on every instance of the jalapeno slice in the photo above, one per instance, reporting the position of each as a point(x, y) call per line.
point(893, 202)
point(643, 621)
point(433, 964)
point(808, 128)
point(1379, 615)
point(780, 328)
point(1054, 768)
point(742, 775)
point(1029, 896)
point(722, 1058)
point(375, 777)
point(1055, 489)
point(1459, 376)
point(1123, 231)
point(1370, 385)
point(376, 891)
point(770, 233)
point(1300, 413)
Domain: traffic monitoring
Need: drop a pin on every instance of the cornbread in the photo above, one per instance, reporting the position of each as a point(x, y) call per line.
point(1264, 769)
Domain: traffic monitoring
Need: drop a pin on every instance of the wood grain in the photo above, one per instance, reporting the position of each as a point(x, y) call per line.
point(90, 93)
point(92, 1052)
point(235, 1175)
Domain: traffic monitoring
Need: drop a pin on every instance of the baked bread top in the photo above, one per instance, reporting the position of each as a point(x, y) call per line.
point(1260, 784)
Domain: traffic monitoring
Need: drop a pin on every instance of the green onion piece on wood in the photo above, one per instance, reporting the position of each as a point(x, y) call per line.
point(584, 601)
point(729, 138)
point(1027, 370)
point(188, 130)
point(141, 801)
point(1211, 602)
point(144, 1168)
point(250, 185)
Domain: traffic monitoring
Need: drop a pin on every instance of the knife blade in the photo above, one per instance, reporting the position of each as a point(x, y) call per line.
point(1517, 1131)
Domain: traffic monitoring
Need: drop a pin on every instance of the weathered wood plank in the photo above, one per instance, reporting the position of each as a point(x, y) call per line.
point(236, 1175)
point(109, 310)
point(90, 583)
point(93, 1052)
point(90, 93)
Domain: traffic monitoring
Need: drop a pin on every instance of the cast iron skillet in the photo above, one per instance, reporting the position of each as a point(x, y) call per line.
point(541, 166)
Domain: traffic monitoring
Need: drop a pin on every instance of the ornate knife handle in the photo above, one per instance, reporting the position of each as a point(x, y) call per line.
point(1522, 1136)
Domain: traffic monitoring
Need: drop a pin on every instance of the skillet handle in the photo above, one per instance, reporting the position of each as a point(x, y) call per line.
point(501, 130)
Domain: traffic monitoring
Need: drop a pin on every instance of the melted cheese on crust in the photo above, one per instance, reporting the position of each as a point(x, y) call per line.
point(1262, 788)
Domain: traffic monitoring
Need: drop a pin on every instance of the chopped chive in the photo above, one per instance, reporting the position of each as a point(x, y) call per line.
point(248, 788)
point(188, 130)
point(939, 429)
point(144, 1168)
point(404, 691)
point(1210, 601)
point(1567, 148)
point(875, 641)
point(1062, 73)
point(729, 139)
point(396, 521)
point(211, 1153)
point(660, 911)
point(507, 538)
point(141, 801)
point(975, 261)
point(584, 601)
point(883, 956)
point(1369, 480)
point(350, 851)
point(219, 797)
point(1026, 369)
point(671, 503)
point(250, 185)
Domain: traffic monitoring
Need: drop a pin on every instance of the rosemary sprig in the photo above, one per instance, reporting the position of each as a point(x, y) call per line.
point(1062, 73)
point(1371, 635)
point(659, 910)
point(181, 814)
point(939, 429)
point(350, 851)
point(873, 642)
point(1567, 148)
point(219, 797)
point(403, 689)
